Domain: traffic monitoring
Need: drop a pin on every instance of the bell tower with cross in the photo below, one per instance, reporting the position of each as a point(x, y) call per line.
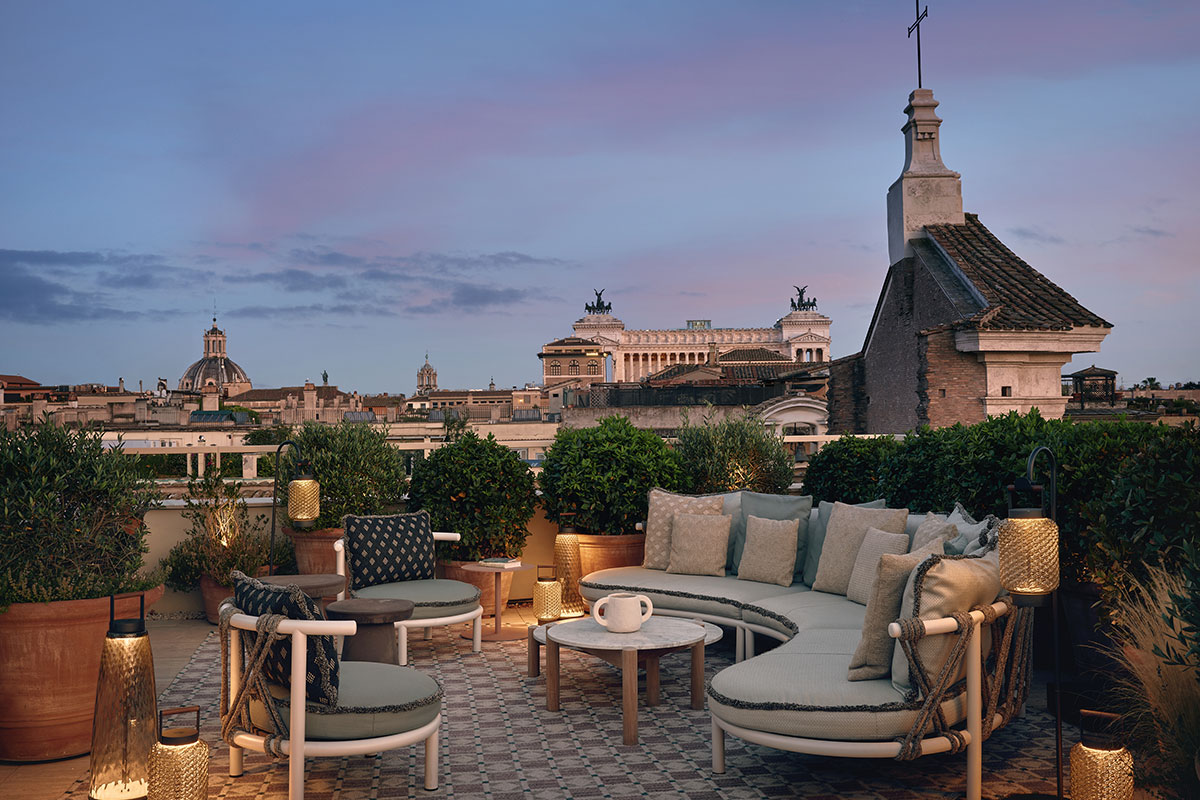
point(927, 191)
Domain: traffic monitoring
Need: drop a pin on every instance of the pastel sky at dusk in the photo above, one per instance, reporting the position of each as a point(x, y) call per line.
point(354, 184)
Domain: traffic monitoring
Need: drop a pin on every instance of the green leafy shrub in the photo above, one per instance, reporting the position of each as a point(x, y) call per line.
point(70, 516)
point(359, 472)
point(848, 469)
point(480, 489)
point(735, 453)
point(222, 537)
point(603, 475)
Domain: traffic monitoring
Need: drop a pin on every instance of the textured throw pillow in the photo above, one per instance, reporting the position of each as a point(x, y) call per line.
point(388, 549)
point(778, 507)
point(939, 587)
point(770, 554)
point(256, 598)
point(816, 537)
point(873, 657)
point(875, 544)
point(698, 544)
point(969, 532)
point(663, 506)
point(933, 528)
point(844, 536)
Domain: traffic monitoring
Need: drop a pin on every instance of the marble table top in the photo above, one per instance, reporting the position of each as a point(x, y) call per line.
point(655, 633)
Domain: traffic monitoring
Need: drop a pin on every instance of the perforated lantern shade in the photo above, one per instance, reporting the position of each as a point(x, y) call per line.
point(304, 498)
point(1101, 767)
point(1028, 548)
point(179, 760)
point(547, 599)
point(123, 726)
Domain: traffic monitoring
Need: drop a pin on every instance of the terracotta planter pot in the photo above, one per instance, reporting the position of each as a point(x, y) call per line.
point(314, 550)
point(51, 658)
point(486, 582)
point(214, 594)
point(605, 552)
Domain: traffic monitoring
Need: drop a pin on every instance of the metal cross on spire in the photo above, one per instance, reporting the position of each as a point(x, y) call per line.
point(916, 26)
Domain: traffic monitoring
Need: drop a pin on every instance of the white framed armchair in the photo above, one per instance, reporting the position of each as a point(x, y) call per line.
point(392, 556)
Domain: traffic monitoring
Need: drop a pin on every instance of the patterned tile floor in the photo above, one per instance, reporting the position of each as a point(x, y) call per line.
point(498, 741)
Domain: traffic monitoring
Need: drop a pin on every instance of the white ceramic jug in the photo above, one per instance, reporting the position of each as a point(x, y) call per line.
point(622, 611)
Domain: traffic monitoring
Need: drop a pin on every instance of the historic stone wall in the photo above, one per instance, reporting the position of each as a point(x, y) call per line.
point(950, 384)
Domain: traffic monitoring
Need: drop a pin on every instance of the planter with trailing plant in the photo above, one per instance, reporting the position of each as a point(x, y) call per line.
point(480, 489)
point(603, 475)
point(71, 534)
point(223, 537)
point(360, 474)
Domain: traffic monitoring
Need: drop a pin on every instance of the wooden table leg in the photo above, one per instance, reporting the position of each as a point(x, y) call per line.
point(629, 683)
point(652, 682)
point(698, 674)
point(496, 602)
point(534, 666)
point(551, 674)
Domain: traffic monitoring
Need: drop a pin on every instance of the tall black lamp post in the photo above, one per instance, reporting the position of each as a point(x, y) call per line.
point(304, 497)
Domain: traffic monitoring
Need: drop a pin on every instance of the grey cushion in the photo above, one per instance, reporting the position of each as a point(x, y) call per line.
point(699, 544)
point(931, 527)
point(816, 536)
point(388, 548)
point(438, 597)
point(770, 552)
point(845, 531)
point(940, 586)
point(695, 593)
point(804, 611)
point(875, 544)
point(969, 531)
point(376, 700)
point(775, 506)
point(659, 517)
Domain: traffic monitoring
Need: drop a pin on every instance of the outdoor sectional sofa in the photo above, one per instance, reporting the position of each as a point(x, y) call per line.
point(939, 657)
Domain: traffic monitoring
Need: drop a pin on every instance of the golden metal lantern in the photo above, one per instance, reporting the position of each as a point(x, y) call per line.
point(567, 568)
point(547, 598)
point(304, 498)
point(1101, 767)
point(123, 725)
point(179, 760)
point(1028, 548)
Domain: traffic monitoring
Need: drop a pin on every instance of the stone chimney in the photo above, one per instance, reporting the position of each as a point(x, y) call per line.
point(926, 193)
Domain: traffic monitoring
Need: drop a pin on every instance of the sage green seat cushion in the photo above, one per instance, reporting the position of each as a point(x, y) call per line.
point(807, 610)
point(374, 700)
point(703, 594)
point(800, 689)
point(435, 597)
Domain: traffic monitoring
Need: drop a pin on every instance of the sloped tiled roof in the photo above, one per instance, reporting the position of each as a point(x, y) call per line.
point(1018, 296)
point(572, 341)
point(326, 393)
point(753, 354)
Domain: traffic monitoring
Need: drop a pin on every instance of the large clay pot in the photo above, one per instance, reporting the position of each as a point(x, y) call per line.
point(213, 594)
point(486, 581)
point(50, 654)
point(314, 550)
point(605, 552)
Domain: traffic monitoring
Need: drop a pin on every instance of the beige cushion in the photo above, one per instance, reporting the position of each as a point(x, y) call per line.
point(663, 506)
point(770, 552)
point(844, 536)
point(873, 657)
point(875, 544)
point(699, 544)
point(932, 528)
point(816, 535)
point(937, 590)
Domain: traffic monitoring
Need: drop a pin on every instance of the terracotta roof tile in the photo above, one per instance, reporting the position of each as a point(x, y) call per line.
point(753, 354)
point(1018, 296)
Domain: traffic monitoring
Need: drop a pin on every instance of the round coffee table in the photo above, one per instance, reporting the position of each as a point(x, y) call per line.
point(658, 636)
point(501, 633)
point(375, 639)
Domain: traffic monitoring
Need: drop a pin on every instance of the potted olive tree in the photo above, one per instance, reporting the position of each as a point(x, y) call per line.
point(223, 537)
point(359, 472)
point(733, 453)
point(599, 480)
point(71, 534)
point(483, 491)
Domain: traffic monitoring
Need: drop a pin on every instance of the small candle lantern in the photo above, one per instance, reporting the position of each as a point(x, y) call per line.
point(179, 760)
point(547, 596)
point(1101, 767)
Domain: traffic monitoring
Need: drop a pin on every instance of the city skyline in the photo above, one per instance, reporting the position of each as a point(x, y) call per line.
point(364, 185)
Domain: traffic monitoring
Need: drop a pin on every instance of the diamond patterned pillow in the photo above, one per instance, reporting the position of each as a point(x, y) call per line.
point(660, 519)
point(388, 549)
point(256, 598)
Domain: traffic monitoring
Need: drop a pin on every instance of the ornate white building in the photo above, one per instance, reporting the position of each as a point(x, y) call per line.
point(215, 368)
point(801, 336)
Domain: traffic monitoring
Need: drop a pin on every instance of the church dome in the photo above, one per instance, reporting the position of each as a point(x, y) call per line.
point(215, 368)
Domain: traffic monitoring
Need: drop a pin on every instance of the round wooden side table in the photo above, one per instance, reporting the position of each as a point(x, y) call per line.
point(376, 618)
point(501, 633)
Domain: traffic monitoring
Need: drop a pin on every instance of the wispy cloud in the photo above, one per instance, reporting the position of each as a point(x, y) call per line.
point(29, 298)
point(1033, 233)
point(1154, 233)
point(291, 280)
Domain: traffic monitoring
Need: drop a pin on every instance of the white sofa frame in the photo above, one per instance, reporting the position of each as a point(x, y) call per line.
point(296, 746)
point(474, 616)
point(860, 749)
